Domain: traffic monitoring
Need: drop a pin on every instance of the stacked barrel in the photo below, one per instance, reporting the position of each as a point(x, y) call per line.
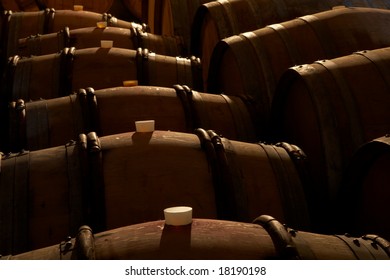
point(270, 117)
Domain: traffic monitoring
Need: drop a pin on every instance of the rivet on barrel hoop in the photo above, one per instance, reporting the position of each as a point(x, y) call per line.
point(93, 142)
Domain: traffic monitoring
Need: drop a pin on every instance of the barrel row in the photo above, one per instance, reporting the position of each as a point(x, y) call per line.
point(128, 178)
point(291, 115)
point(265, 98)
point(121, 9)
point(20, 25)
point(330, 84)
point(246, 56)
point(339, 79)
point(15, 26)
point(329, 149)
point(220, 19)
point(217, 20)
point(65, 72)
point(265, 239)
point(315, 150)
point(41, 124)
point(252, 63)
point(361, 204)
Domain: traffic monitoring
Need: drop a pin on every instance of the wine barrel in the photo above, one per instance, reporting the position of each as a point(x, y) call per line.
point(20, 25)
point(251, 63)
point(296, 244)
point(41, 124)
point(217, 20)
point(19, 5)
point(129, 178)
point(89, 37)
point(173, 17)
point(54, 75)
point(101, 6)
point(364, 189)
point(203, 239)
point(332, 107)
point(206, 239)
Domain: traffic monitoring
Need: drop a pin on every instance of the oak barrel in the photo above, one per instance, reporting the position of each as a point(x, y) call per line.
point(364, 191)
point(251, 63)
point(293, 243)
point(88, 37)
point(203, 239)
point(206, 239)
point(217, 20)
point(129, 178)
point(66, 72)
point(332, 107)
point(41, 124)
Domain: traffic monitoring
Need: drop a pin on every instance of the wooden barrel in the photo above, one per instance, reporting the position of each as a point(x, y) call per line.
point(101, 6)
point(167, 17)
point(217, 20)
point(89, 37)
point(296, 244)
point(332, 107)
point(41, 124)
point(364, 189)
point(19, 5)
point(205, 239)
point(251, 63)
point(129, 178)
point(20, 25)
point(60, 74)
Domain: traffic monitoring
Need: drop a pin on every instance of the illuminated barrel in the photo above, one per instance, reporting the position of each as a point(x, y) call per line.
point(41, 124)
point(128, 178)
point(203, 239)
point(60, 74)
point(206, 239)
